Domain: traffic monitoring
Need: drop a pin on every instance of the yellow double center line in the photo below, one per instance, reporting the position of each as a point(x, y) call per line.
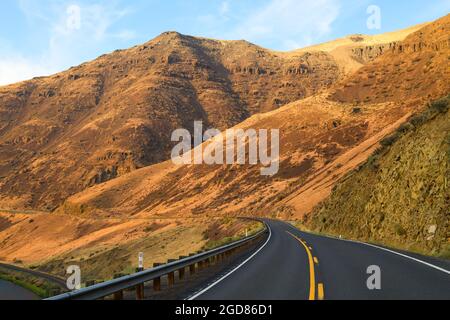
point(312, 275)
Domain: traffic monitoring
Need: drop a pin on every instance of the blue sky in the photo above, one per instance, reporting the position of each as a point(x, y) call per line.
point(40, 37)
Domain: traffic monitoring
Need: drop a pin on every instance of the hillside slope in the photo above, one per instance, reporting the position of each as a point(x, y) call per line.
point(408, 202)
point(115, 114)
point(416, 68)
point(321, 140)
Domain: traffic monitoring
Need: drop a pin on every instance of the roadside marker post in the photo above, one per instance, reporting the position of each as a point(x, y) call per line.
point(141, 261)
point(140, 268)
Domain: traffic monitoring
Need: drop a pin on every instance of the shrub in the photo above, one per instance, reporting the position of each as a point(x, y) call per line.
point(399, 230)
point(357, 110)
point(440, 106)
point(448, 146)
point(418, 120)
point(390, 140)
point(404, 128)
point(372, 162)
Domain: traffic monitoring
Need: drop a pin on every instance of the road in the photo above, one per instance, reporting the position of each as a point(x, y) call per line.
point(50, 278)
point(294, 265)
point(11, 291)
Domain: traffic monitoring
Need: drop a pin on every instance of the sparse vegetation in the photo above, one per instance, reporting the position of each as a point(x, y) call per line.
point(392, 211)
point(40, 287)
point(390, 140)
point(399, 230)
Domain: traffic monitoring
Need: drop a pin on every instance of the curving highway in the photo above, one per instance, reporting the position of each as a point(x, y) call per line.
point(293, 265)
point(11, 291)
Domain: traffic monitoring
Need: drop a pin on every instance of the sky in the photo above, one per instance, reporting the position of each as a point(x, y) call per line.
point(42, 37)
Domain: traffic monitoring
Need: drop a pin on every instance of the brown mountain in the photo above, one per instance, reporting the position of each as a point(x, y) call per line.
point(321, 140)
point(108, 117)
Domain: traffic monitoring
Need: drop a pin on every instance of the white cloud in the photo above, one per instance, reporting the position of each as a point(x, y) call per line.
point(291, 23)
point(68, 42)
point(15, 69)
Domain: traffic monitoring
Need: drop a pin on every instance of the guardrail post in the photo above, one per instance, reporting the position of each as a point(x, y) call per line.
point(171, 279)
point(192, 266)
point(140, 292)
point(181, 272)
point(171, 276)
point(192, 269)
point(119, 294)
point(140, 287)
point(157, 281)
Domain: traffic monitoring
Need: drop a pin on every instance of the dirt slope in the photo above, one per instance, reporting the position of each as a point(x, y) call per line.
point(408, 202)
point(115, 114)
point(416, 68)
point(321, 139)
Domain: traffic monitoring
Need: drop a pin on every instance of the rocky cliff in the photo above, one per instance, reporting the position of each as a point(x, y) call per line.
point(401, 196)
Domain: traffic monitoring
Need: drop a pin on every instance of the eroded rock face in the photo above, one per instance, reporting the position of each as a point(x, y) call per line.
point(97, 121)
point(416, 68)
point(407, 204)
point(111, 116)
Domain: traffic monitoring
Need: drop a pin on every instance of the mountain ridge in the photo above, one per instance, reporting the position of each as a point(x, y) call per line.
point(84, 117)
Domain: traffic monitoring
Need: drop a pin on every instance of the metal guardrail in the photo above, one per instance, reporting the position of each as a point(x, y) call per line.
point(117, 286)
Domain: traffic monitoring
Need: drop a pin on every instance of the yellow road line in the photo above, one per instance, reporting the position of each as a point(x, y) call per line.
point(316, 261)
point(320, 291)
point(312, 276)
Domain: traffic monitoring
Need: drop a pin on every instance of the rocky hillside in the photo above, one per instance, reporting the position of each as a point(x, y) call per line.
point(408, 202)
point(105, 118)
point(416, 68)
point(321, 140)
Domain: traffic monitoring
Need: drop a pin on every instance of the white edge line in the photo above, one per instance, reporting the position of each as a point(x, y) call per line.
point(403, 255)
point(387, 250)
point(232, 271)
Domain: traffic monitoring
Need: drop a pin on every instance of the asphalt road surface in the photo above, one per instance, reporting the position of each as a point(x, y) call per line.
point(293, 265)
point(53, 279)
point(11, 291)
